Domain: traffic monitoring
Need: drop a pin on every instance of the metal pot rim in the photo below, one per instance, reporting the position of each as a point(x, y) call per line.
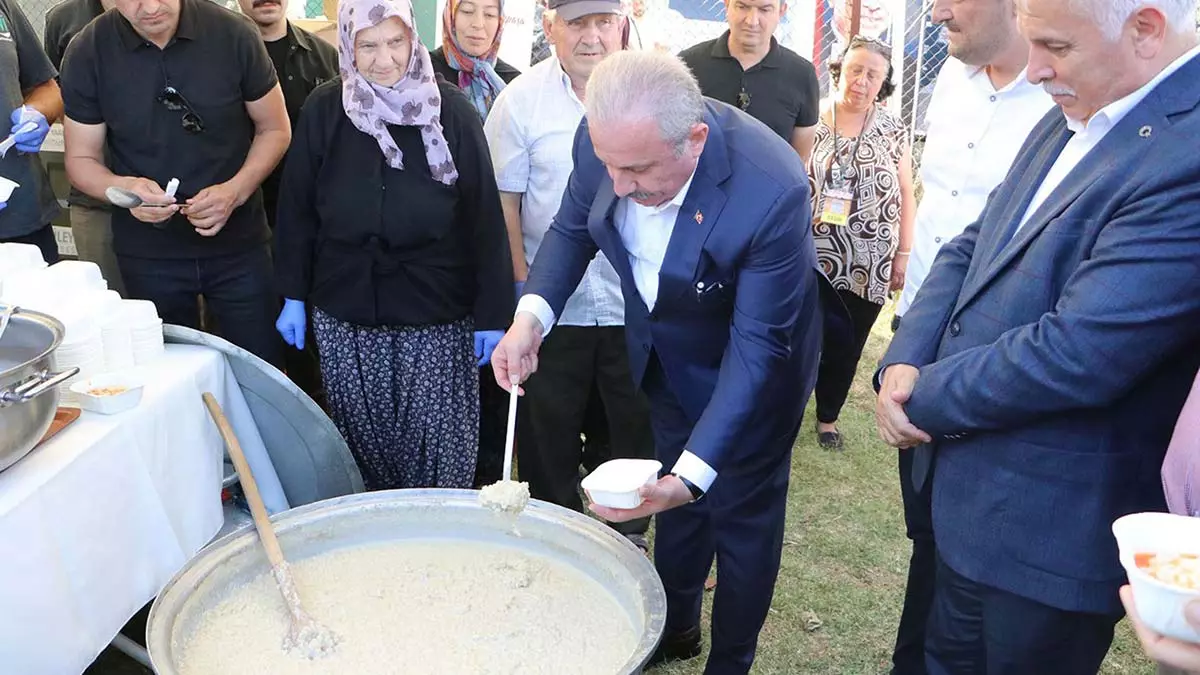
point(160, 623)
point(56, 329)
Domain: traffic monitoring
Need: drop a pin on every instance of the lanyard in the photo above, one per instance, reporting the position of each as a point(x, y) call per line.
point(843, 162)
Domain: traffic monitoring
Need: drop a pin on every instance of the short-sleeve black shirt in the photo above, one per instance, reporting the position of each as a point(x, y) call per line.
point(782, 88)
point(113, 76)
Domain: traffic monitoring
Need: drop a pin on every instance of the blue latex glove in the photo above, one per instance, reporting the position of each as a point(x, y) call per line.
point(485, 344)
point(292, 323)
point(29, 141)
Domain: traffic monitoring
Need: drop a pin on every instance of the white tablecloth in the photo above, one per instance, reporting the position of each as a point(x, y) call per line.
point(96, 521)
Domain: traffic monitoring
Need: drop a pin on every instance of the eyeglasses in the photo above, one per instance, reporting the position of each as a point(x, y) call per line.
point(866, 41)
point(175, 102)
point(743, 100)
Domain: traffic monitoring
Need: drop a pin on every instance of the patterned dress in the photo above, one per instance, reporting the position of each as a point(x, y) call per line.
point(857, 256)
point(406, 399)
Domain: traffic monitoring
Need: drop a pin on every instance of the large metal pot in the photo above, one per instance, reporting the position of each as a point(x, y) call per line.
point(344, 522)
point(28, 393)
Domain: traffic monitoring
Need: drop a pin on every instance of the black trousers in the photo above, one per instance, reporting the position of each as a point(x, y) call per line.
point(909, 655)
point(839, 359)
point(42, 238)
point(493, 423)
point(237, 289)
point(979, 630)
point(573, 360)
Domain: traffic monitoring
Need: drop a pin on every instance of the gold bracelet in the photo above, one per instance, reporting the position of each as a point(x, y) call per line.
point(903, 252)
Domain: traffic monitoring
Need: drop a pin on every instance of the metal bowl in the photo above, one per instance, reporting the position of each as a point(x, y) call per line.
point(28, 393)
point(546, 530)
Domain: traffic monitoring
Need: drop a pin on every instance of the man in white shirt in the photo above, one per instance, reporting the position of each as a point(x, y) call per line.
point(1053, 344)
point(531, 129)
point(703, 213)
point(982, 109)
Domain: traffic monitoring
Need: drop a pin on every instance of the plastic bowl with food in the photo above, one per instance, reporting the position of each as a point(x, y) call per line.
point(1161, 555)
point(108, 394)
point(615, 483)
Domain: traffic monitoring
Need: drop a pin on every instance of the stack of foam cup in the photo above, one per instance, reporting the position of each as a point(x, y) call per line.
point(76, 275)
point(82, 346)
point(16, 259)
point(145, 328)
point(115, 334)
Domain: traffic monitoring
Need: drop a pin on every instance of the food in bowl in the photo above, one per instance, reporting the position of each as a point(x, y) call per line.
point(506, 496)
point(421, 607)
point(107, 391)
point(1179, 569)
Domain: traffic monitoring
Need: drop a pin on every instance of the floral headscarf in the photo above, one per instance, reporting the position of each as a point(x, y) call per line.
point(413, 101)
point(476, 77)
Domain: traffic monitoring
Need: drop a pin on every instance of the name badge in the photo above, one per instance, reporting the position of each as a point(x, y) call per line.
point(836, 208)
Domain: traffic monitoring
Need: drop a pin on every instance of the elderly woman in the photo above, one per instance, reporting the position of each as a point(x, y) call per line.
point(471, 31)
point(390, 227)
point(864, 205)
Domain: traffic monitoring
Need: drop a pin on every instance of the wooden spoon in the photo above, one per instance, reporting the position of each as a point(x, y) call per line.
point(305, 636)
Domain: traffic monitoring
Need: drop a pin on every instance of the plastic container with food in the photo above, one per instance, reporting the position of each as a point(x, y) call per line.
point(1161, 556)
point(615, 483)
point(108, 394)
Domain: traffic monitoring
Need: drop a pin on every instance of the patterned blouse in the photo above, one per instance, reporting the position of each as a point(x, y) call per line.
point(858, 256)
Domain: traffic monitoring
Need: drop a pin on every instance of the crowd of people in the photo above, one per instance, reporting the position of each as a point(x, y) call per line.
point(669, 255)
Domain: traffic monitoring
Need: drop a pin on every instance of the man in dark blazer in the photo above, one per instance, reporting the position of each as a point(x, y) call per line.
point(703, 212)
point(1049, 352)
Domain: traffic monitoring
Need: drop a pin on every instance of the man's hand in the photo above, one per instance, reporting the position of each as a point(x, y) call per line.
point(209, 210)
point(894, 426)
point(515, 358)
point(156, 205)
point(668, 493)
point(1165, 650)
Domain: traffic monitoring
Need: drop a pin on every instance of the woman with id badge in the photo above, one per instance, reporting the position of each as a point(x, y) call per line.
point(864, 206)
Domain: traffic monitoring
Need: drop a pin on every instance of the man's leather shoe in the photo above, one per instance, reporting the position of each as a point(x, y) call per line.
point(677, 647)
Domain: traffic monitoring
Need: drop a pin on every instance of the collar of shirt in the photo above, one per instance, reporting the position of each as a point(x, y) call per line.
point(186, 29)
point(720, 50)
point(982, 79)
point(1111, 115)
point(565, 80)
point(298, 38)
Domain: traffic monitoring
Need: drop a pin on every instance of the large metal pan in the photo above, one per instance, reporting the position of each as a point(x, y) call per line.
point(395, 515)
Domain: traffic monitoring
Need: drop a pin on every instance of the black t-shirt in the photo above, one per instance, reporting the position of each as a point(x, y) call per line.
point(217, 61)
point(374, 245)
point(278, 51)
point(780, 91)
point(23, 66)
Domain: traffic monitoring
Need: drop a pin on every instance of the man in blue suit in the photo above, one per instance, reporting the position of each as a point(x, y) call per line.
point(1049, 352)
point(704, 213)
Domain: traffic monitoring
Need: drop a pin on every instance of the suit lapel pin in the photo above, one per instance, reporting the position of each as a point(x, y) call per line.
point(1145, 131)
point(699, 218)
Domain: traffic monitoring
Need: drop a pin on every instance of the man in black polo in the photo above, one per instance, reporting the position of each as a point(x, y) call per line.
point(91, 222)
point(28, 90)
point(746, 67)
point(301, 62)
point(182, 89)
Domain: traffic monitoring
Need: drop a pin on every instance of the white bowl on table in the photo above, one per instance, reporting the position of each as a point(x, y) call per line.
point(615, 483)
point(123, 393)
point(1159, 604)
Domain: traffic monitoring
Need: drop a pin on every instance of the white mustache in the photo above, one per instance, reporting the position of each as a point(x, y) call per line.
point(1057, 89)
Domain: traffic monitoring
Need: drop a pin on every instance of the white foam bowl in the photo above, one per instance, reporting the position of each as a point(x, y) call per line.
point(1159, 604)
point(615, 483)
point(108, 404)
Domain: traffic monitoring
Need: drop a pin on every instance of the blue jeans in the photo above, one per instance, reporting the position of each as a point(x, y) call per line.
point(237, 289)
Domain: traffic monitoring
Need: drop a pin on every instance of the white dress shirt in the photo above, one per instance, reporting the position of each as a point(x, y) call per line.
point(531, 132)
point(975, 131)
point(1089, 134)
point(645, 232)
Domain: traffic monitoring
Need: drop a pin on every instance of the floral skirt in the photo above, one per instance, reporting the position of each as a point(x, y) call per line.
point(406, 399)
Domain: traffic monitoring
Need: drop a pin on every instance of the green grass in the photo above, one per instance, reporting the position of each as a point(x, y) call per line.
point(846, 557)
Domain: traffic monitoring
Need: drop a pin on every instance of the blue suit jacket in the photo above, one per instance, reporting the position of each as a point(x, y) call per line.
point(1053, 365)
point(737, 322)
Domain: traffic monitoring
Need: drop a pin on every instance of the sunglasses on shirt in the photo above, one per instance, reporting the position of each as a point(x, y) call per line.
point(174, 101)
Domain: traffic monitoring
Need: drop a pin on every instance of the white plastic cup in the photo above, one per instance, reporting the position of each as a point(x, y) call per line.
point(1159, 604)
point(616, 482)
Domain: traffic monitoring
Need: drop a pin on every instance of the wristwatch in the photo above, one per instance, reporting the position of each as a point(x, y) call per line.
point(697, 493)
